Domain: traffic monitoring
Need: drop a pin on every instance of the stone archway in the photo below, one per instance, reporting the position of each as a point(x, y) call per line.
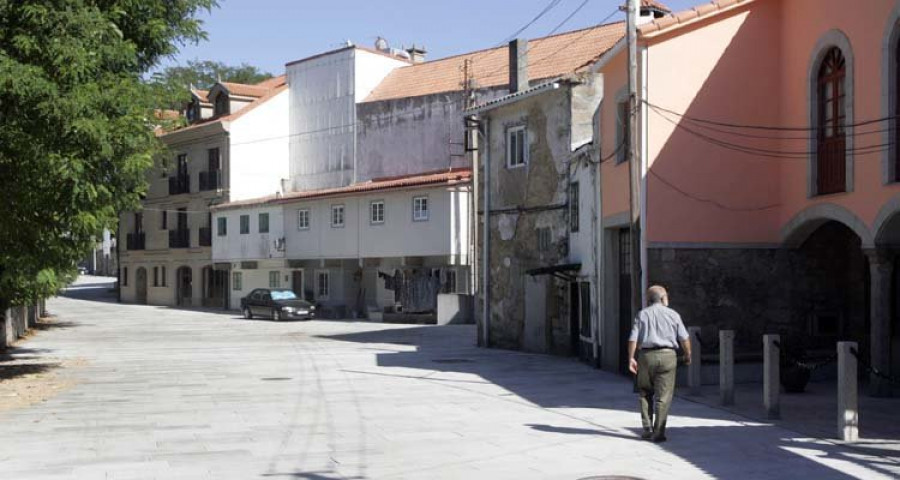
point(885, 268)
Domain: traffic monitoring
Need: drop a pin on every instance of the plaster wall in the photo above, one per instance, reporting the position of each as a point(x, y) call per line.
point(259, 150)
point(235, 246)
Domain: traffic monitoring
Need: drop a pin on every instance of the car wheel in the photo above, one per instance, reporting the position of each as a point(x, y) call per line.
point(276, 315)
point(247, 314)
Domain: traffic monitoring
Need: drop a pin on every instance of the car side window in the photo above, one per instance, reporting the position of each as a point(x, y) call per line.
point(267, 297)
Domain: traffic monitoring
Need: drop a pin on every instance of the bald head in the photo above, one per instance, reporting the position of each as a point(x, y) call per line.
point(657, 294)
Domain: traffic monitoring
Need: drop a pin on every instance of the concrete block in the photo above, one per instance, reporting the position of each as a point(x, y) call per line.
point(726, 367)
point(454, 309)
point(847, 393)
point(694, 377)
point(771, 376)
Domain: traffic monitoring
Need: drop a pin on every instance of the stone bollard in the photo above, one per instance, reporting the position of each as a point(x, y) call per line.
point(726, 366)
point(694, 379)
point(771, 376)
point(847, 400)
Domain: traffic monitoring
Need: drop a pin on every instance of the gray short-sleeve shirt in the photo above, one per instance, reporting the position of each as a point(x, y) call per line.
point(658, 326)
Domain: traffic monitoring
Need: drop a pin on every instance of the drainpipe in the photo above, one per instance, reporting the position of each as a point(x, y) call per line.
point(645, 166)
point(486, 240)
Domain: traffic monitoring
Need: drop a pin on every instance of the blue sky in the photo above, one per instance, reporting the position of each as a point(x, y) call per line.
point(270, 33)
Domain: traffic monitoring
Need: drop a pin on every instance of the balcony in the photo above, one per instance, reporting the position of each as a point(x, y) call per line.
point(135, 241)
point(211, 180)
point(179, 238)
point(179, 184)
point(205, 236)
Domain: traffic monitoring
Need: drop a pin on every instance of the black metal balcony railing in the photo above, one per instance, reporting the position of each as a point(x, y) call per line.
point(205, 236)
point(179, 238)
point(211, 180)
point(179, 184)
point(135, 241)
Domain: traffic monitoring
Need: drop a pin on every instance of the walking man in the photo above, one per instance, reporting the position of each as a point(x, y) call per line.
point(654, 337)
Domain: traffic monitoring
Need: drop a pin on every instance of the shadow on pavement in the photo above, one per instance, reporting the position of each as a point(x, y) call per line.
point(94, 292)
point(708, 438)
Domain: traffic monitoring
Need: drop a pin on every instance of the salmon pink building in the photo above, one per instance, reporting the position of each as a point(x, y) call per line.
point(767, 148)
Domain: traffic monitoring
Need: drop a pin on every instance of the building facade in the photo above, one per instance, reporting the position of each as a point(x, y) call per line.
point(369, 250)
point(234, 148)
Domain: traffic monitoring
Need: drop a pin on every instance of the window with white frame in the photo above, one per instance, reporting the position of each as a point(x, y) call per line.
point(420, 209)
point(275, 279)
point(516, 146)
point(303, 219)
point(376, 211)
point(323, 284)
point(263, 223)
point(221, 226)
point(237, 281)
point(337, 215)
point(245, 224)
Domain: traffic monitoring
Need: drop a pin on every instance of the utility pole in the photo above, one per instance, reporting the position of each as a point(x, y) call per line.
point(634, 167)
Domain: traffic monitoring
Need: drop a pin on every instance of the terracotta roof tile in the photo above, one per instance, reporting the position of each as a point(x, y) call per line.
point(273, 82)
point(203, 95)
point(671, 22)
point(453, 176)
point(655, 4)
point(243, 90)
point(268, 93)
point(548, 57)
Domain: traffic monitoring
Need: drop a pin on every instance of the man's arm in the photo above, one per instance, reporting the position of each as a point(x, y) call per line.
point(686, 346)
point(632, 363)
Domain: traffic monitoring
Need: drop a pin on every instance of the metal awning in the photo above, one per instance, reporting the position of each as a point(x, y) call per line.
point(562, 272)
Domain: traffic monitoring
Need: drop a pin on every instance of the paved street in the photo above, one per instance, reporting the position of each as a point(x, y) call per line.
point(167, 394)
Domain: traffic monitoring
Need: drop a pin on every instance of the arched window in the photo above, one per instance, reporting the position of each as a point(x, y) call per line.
point(831, 151)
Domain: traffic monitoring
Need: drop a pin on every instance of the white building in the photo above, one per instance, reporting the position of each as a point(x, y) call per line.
point(369, 248)
point(234, 148)
point(324, 92)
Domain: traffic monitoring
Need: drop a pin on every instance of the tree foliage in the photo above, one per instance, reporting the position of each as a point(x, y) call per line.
point(75, 125)
point(175, 82)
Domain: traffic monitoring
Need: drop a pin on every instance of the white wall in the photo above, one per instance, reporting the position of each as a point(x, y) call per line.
point(323, 95)
point(443, 234)
point(259, 150)
point(254, 245)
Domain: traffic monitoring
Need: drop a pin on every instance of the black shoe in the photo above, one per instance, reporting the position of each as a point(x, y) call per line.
point(659, 439)
point(647, 435)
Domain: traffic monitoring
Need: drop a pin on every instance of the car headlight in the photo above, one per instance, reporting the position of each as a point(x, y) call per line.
point(312, 307)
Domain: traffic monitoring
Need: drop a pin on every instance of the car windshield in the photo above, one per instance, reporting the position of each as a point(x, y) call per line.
point(283, 295)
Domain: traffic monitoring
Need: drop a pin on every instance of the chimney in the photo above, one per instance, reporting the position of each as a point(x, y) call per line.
point(416, 54)
point(518, 65)
point(650, 10)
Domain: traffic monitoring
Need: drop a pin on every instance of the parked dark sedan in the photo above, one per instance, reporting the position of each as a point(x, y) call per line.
point(278, 303)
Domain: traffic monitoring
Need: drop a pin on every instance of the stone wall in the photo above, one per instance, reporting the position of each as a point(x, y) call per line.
point(794, 292)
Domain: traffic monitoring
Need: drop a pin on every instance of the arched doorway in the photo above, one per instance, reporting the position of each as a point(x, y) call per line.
point(183, 286)
point(830, 297)
point(140, 286)
point(886, 296)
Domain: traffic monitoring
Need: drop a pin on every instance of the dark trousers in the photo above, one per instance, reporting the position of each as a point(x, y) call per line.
point(656, 386)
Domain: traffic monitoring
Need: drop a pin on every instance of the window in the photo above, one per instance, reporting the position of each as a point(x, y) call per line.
point(237, 281)
point(164, 220)
point(450, 281)
point(544, 239)
point(222, 226)
point(163, 276)
point(516, 147)
point(155, 276)
point(337, 215)
point(263, 223)
point(623, 132)
point(222, 104)
point(420, 209)
point(275, 279)
point(322, 285)
point(125, 277)
point(573, 206)
point(831, 148)
point(376, 210)
point(245, 224)
point(303, 219)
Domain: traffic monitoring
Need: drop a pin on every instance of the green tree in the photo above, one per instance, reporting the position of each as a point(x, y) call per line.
point(76, 125)
point(175, 82)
